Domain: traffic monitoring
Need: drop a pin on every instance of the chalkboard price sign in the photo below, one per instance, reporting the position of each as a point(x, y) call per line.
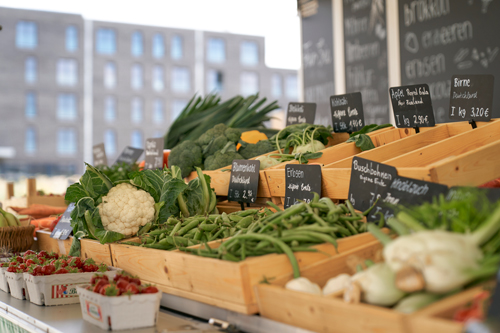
point(369, 180)
point(244, 181)
point(99, 153)
point(302, 181)
point(471, 97)
point(154, 154)
point(63, 228)
point(404, 191)
point(347, 112)
point(412, 106)
point(301, 113)
point(129, 155)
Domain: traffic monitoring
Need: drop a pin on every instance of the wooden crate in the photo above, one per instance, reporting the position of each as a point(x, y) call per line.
point(220, 177)
point(438, 317)
point(91, 248)
point(450, 154)
point(45, 243)
point(276, 175)
point(217, 282)
point(34, 198)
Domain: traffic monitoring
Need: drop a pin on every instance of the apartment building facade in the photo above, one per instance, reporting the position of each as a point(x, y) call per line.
point(68, 83)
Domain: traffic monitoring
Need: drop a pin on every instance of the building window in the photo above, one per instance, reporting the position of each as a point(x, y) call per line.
point(158, 114)
point(136, 76)
point(216, 50)
point(249, 83)
point(26, 35)
point(110, 108)
point(158, 134)
point(110, 75)
point(106, 41)
point(276, 85)
point(249, 53)
point(30, 105)
point(137, 44)
point(30, 140)
point(158, 46)
point(67, 72)
point(71, 38)
point(66, 141)
point(30, 70)
point(66, 107)
point(136, 140)
point(136, 114)
point(176, 50)
point(110, 141)
point(292, 87)
point(177, 106)
point(215, 81)
point(180, 79)
point(158, 78)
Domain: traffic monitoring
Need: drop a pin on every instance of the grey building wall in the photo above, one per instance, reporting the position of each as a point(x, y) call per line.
point(51, 47)
point(51, 29)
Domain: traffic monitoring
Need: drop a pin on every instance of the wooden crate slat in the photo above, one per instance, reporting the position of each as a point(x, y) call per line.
point(473, 168)
point(452, 146)
point(93, 249)
point(45, 243)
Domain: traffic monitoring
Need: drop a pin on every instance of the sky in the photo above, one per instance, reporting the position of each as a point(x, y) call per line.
point(276, 20)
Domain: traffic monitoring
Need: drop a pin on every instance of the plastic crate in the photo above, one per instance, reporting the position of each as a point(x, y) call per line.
point(119, 312)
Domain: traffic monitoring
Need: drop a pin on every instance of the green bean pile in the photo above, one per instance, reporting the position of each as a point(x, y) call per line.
point(294, 229)
point(182, 232)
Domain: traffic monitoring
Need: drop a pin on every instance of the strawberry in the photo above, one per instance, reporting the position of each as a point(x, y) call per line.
point(48, 269)
point(94, 279)
point(61, 271)
point(35, 270)
point(110, 290)
point(53, 255)
point(5, 264)
point(76, 262)
point(137, 281)
point(14, 263)
point(149, 289)
point(132, 288)
point(89, 266)
point(12, 269)
point(102, 267)
point(122, 275)
point(19, 259)
point(101, 283)
point(29, 252)
point(42, 254)
point(122, 285)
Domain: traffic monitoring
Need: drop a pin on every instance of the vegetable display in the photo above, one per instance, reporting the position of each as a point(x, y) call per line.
point(202, 114)
point(294, 229)
point(118, 171)
point(362, 140)
point(109, 211)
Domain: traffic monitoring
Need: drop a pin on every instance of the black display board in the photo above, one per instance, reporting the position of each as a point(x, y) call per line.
point(347, 112)
point(317, 59)
point(129, 155)
point(471, 97)
point(154, 153)
point(63, 228)
point(244, 181)
point(369, 180)
point(404, 191)
point(456, 192)
point(439, 39)
point(412, 106)
point(300, 113)
point(365, 46)
point(302, 181)
point(99, 153)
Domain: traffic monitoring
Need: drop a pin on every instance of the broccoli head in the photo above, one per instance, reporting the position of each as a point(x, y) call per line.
point(186, 155)
point(216, 138)
point(250, 150)
point(223, 157)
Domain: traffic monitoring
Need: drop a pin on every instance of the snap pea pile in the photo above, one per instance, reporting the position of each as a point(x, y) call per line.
point(180, 232)
point(294, 229)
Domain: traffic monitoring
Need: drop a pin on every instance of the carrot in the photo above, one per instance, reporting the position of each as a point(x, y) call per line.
point(38, 211)
point(43, 222)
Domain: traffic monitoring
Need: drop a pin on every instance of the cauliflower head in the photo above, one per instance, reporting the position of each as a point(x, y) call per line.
point(126, 208)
